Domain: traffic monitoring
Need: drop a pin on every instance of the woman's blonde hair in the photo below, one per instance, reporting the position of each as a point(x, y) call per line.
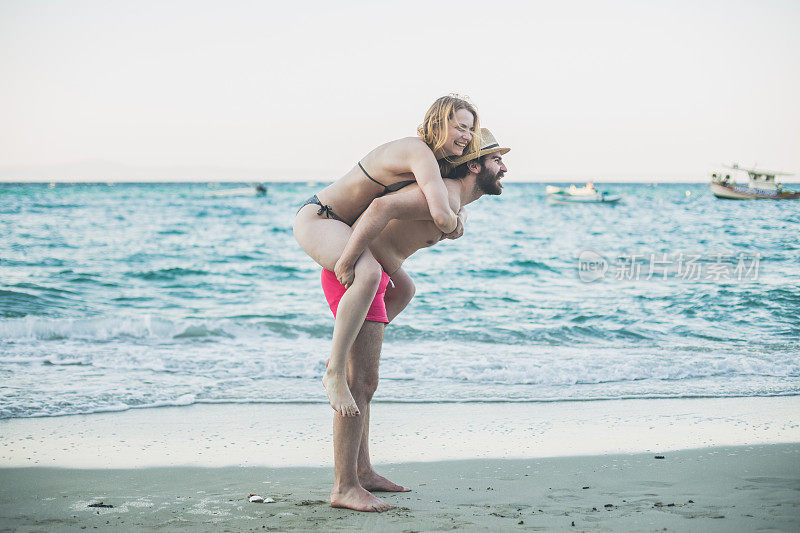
point(433, 129)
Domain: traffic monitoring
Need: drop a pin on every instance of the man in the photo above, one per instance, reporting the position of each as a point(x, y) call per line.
point(395, 226)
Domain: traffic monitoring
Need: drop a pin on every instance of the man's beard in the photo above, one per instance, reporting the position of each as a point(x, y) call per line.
point(487, 182)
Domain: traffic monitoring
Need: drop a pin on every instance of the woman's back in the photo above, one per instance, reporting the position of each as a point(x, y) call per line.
point(385, 169)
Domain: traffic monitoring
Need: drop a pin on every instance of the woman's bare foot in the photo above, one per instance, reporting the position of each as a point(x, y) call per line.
point(339, 394)
point(374, 482)
point(358, 499)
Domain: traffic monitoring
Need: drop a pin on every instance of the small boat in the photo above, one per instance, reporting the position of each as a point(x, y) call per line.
point(256, 190)
point(761, 185)
point(583, 195)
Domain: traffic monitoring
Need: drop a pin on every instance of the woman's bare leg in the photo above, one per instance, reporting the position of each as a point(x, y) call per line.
point(350, 316)
point(324, 239)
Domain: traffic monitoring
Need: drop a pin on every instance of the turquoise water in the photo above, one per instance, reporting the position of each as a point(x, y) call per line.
point(135, 295)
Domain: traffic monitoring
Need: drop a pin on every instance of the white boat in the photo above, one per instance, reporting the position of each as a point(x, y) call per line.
point(583, 195)
point(761, 185)
point(256, 190)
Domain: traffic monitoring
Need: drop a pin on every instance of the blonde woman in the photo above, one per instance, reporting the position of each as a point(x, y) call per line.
point(322, 225)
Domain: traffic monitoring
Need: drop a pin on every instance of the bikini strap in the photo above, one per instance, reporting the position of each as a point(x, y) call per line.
point(370, 177)
point(397, 186)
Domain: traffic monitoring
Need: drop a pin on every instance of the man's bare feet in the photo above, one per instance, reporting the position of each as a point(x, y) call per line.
point(374, 482)
point(339, 394)
point(358, 499)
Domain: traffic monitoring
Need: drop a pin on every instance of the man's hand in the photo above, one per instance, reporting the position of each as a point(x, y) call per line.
point(344, 272)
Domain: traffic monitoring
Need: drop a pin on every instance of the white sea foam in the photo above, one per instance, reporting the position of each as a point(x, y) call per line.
point(105, 329)
point(118, 376)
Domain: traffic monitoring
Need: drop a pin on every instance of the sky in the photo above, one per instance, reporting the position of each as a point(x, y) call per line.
point(243, 90)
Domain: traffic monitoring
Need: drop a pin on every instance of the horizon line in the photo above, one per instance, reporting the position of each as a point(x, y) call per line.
point(5, 180)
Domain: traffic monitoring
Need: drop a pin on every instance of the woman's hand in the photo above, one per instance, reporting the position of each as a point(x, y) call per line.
point(459, 231)
point(345, 272)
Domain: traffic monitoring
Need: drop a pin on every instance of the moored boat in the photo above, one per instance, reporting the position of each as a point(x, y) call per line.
point(761, 185)
point(583, 195)
point(256, 190)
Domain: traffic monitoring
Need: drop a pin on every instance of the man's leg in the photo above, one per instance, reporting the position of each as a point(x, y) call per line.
point(362, 378)
point(399, 293)
point(396, 299)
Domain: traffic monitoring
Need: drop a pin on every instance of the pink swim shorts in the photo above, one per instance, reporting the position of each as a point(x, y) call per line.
point(334, 291)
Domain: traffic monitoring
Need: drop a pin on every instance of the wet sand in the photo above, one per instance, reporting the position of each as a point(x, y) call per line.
point(712, 489)
point(728, 464)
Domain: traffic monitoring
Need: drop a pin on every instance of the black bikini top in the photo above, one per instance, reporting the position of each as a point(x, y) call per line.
point(386, 188)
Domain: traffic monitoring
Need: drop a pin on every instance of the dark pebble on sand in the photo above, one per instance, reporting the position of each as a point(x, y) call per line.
point(99, 504)
point(520, 522)
point(659, 456)
point(609, 505)
point(690, 501)
point(573, 524)
point(584, 488)
point(594, 508)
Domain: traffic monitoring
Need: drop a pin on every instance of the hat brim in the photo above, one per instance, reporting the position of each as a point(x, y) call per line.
point(469, 157)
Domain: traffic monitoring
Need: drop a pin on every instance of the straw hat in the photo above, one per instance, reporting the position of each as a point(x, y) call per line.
point(489, 145)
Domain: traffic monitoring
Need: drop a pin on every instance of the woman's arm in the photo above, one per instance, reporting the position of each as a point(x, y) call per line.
point(407, 204)
point(426, 172)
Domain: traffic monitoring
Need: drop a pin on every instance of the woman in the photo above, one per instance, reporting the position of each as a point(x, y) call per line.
point(322, 225)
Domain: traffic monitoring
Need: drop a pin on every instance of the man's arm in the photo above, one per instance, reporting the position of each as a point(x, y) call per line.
point(406, 204)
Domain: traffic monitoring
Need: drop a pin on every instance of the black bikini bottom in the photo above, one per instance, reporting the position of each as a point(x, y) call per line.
point(323, 209)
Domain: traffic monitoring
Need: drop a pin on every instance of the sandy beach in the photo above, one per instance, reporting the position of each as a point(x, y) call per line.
point(750, 488)
point(728, 465)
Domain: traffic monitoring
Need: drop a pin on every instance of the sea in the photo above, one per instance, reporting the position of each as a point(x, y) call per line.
point(129, 296)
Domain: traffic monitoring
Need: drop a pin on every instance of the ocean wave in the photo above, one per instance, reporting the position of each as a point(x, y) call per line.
point(43, 288)
point(87, 329)
point(168, 273)
point(26, 320)
point(65, 362)
point(146, 327)
point(201, 331)
point(585, 367)
point(529, 265)
point(526, 334)
point(15, 304)
point(265, 358)
point(43, 262)
point(9, 411)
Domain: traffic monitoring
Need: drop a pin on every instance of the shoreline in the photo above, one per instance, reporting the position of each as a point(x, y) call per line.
point(274, 435)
